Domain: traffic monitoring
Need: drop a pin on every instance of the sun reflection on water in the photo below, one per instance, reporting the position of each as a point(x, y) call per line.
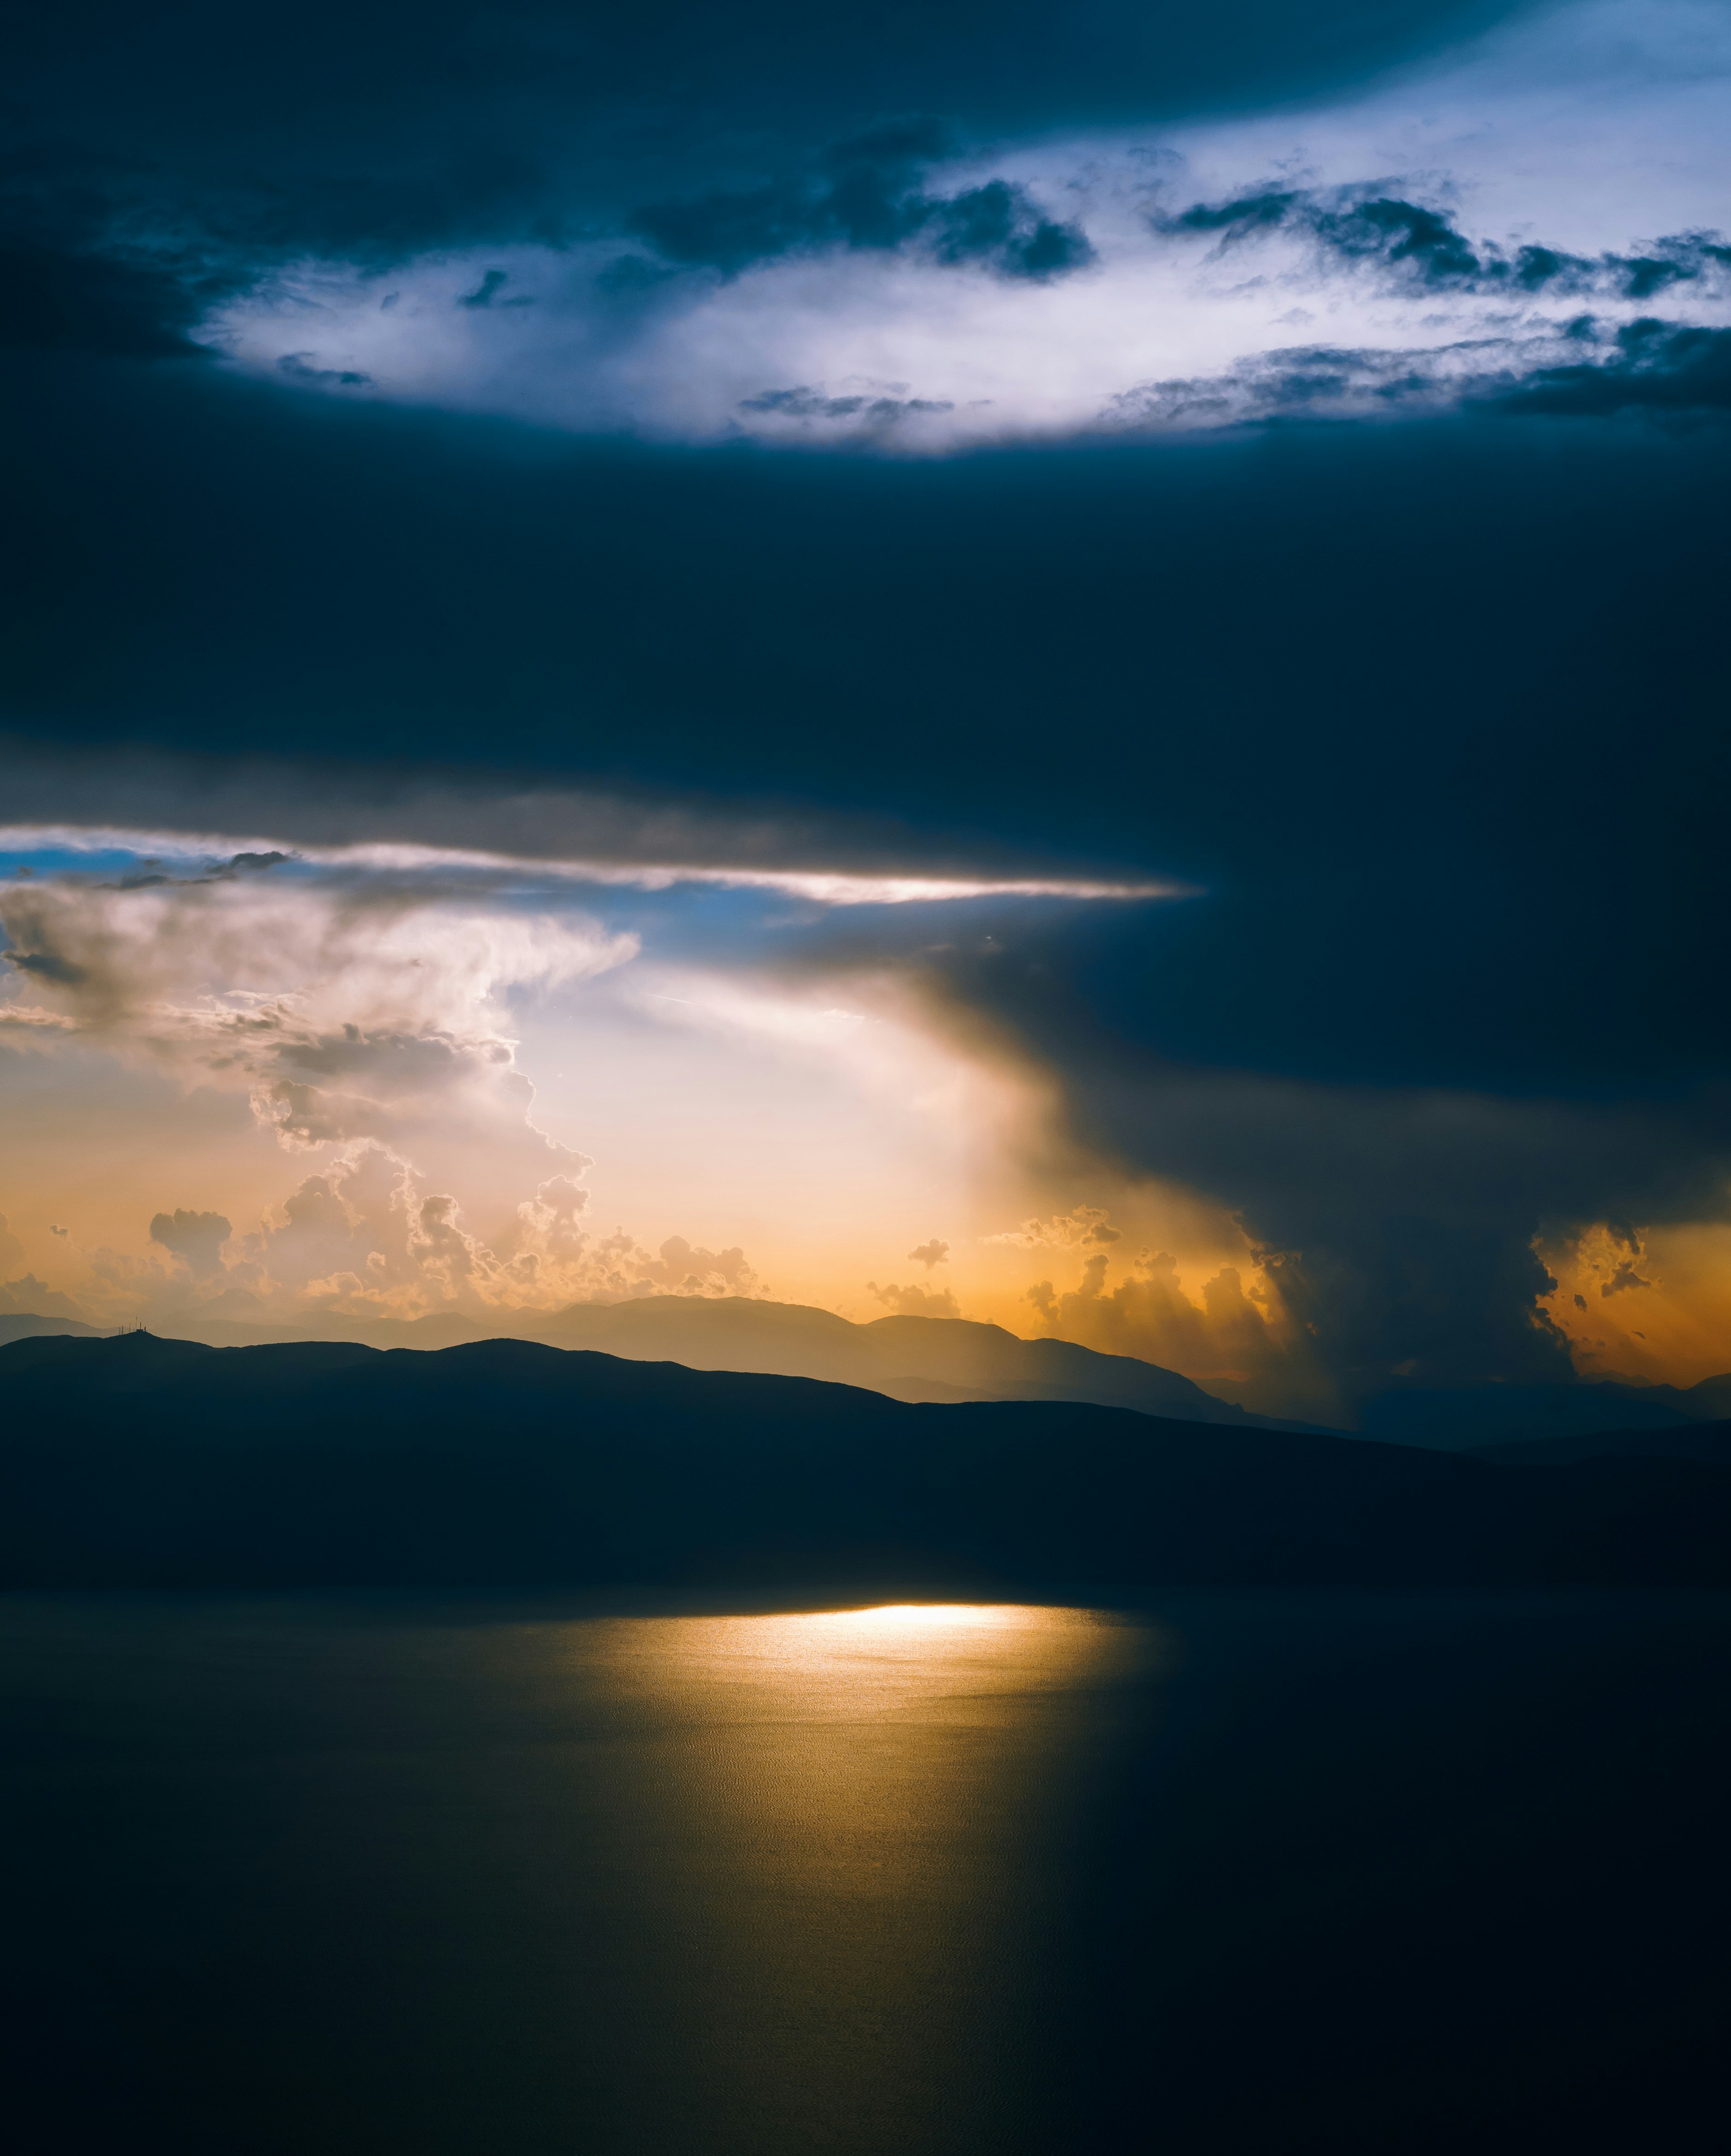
point(955, 1662)
point(860, 1823)
point(929, 1615)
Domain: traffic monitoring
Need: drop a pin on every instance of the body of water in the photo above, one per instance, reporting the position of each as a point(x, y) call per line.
point(1279, 1873)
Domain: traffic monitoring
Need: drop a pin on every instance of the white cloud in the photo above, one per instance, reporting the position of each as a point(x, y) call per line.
point(369, 1024)
point(346, 1014)
point(367, 1236)
point(864, 885)
point(1084, 1227)
point(1594, 130)
point(915, 1301)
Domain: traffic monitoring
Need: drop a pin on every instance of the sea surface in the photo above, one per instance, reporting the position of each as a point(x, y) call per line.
point(1275, 1873)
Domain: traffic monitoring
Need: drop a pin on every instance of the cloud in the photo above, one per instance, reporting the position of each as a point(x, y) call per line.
point(61, 298)
point(195, 1238)
point(1456, 210)
point(1080, 1228)
point(301, 969)
point(790, 258)
point(30, 1297)
point(914, 1301)
point(303, 367)
point(1608, 1252)
point(680, 1269)
point(1584, 369)
point(219, 818)
point(1236, 1335)
point(27, 1295)
point(879, 408)
point(486, 293)
point(1652, 366)
point(864, 193)
point(346, 1011)
point(369, 1236)
point(1176, 663)
point(930, 1253)
point(1415, 245)
point(1396, 1229)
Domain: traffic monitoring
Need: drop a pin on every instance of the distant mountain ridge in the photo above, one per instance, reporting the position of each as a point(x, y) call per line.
point(28, 1326)
point(948, 1359)
point(135, 1462)
point(908, 1359)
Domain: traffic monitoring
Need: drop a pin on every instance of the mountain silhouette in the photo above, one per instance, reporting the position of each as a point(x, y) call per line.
point(909, 1359)
point(141, 1462)
point(27, 1326)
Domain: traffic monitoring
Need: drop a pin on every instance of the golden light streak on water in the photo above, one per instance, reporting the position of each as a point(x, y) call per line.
point(865, 1823)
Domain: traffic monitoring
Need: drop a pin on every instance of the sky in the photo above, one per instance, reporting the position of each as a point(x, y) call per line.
point(1061, 666)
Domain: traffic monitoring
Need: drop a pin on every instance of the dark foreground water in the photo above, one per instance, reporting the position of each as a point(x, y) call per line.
point(1261, 1873)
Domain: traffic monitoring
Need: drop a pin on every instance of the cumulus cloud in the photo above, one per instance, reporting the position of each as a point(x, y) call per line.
point(915, 1301)
point(1080, 1228)
point(679, 1268)
point(196, 1239)
point(1608, 1255)
point(369, 1236)
point(930, 1253)
point(1237, 1334)
point(346, 1011)
point(28, 1297)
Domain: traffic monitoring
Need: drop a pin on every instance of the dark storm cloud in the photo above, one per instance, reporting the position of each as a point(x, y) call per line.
point(301, 367)
point(1650, 364)
point(160, 161)
point(1658, 366)
point(1399, 233)
point(866, 193)
point(1418, 244)
point(1435, 723)
point(1398, 1222)
point(808, 403)
point(385, 124)
point(45, 965)
point(1375, 694)
point(66, 301)
point(475, 824)
point(1303, 381)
